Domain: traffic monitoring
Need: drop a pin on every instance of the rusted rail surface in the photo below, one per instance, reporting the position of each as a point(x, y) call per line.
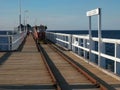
point(74, 74)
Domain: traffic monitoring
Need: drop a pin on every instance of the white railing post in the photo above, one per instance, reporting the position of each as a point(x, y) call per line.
point(53, 37)
point(70, 42)
point(73, 41)
point(92, 56)
point(117, 55)
point(99, 36)
point(85, 46)
point(10, 42)
point(102, 60)
point(79, 50)
point(62, 42)
point(90, 39)
point(56, 39)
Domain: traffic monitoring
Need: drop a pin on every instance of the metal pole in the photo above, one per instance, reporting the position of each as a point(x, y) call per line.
point(90, 37)
point(20, 14)
point(25, 20)
point(99, 36)
point(115, 63)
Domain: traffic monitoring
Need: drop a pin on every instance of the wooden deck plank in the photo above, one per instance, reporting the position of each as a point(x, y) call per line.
point(71, 75)
point(25, 67)
point(105, 77)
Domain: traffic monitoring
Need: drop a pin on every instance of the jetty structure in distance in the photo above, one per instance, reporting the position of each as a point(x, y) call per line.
point(42, 60)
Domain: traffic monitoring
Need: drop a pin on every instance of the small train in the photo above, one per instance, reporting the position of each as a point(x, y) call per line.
point(39, 32)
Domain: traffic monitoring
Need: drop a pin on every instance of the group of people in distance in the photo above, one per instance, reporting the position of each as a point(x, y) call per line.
point(39, 32)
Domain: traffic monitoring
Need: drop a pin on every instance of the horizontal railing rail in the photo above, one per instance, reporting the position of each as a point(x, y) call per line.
point(63, 40)
point(4, 42)
point(17, 40)
point(11, 42)
point(80, 45)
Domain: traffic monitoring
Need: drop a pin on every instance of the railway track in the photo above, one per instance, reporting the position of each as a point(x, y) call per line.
point(46, 69)
point(69, 74)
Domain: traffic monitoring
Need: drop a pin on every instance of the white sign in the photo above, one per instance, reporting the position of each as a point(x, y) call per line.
point(93, 12)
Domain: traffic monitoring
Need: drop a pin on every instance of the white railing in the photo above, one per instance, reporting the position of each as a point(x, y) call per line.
point(11, 42)
point(17, 40)
point(63, 40)
point(80, 45)
point(4, 42)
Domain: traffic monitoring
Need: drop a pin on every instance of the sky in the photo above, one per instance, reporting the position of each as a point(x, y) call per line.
point(59, 14)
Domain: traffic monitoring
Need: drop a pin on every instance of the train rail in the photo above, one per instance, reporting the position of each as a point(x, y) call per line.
point(45, 67)
point(68, 73)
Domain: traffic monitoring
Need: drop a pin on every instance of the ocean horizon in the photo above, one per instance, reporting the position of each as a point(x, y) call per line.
point(113, 34)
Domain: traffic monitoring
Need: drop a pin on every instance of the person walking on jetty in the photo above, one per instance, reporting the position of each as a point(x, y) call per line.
point(35, 34)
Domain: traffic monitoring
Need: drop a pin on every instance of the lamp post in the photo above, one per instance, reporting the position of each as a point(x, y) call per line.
point(25, 20)
point(20, 15)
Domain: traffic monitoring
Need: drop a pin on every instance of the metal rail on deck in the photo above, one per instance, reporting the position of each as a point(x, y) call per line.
point(93, 78)
point(49, 70)
point(60, 81)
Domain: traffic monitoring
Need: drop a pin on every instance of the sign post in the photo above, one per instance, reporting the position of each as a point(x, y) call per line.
point(89, 14)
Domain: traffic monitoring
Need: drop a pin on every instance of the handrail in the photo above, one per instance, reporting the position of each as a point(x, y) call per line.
point(11, 42)
point(80, 44)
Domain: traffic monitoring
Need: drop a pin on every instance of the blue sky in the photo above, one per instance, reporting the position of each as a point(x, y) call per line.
point(60, 14)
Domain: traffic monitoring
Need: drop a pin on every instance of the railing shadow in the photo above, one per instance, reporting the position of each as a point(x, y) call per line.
point(5, 57)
